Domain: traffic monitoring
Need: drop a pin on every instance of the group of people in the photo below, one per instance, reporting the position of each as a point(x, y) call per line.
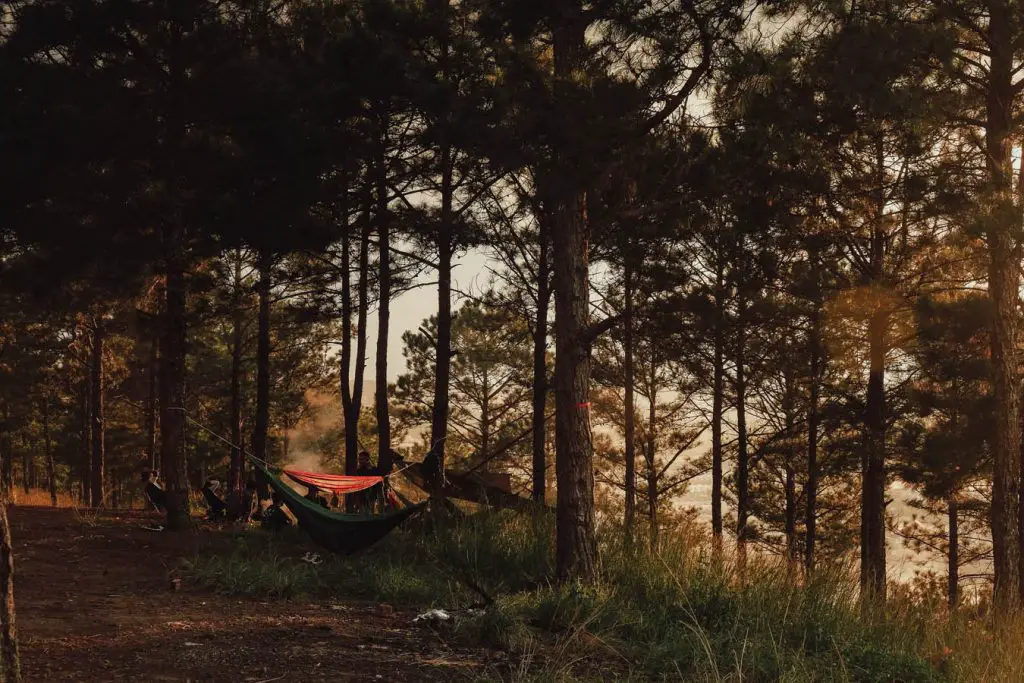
point(272, 515)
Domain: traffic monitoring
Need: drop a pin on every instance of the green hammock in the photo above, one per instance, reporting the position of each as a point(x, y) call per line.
point(338, 532)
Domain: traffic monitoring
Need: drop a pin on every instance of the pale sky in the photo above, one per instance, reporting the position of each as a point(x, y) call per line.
point(409, 310)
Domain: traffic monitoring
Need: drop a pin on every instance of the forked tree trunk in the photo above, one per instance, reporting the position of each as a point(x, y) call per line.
point(576, 542)
point(630, 407)
point(540, 367)
point(8, 622)
point(1003, 289)
point(97, 404)
point(356, 405)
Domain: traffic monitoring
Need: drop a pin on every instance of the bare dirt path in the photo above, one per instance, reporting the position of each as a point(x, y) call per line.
point(95, 603)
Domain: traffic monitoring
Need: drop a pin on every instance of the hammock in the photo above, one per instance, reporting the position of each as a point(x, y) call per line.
point(335, 483)
point(337, 531)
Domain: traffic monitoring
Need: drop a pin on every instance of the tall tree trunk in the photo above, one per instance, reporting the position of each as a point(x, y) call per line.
point(8, 626)
point(7, 464)
point(789, 415)
point(742, 455)
point(540, 367)
point(51, 470)
point(151, 403)
point(97, 404)
point(172, 384)
point(630, 414)
point(717, 406)
point(650, 458)
point(1003, 286)
point(953, 566)
point(576, 542)
point(26, 470)
point(262, 420)
point(236, 470)
point(383, 219)
point(85, 436)
point(872, 574)
point(811, 492)
point(445, 248)
point(351, 445)
point(356, 405)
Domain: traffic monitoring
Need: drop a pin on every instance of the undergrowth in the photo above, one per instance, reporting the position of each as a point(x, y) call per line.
point(682, 613)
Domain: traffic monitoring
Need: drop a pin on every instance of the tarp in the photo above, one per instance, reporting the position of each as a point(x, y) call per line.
point(335, 483)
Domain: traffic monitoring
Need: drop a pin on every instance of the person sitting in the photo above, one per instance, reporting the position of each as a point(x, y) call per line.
point(334, 502)
point(154, 493)
point(274, 517)
point(250, 501)
point(217, 507)
point(368, 500)
point(313, 495)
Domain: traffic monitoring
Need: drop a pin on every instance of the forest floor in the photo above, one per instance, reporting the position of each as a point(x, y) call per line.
point(96, 602)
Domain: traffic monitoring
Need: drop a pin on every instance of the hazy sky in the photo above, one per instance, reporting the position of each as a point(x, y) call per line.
point(409, 310)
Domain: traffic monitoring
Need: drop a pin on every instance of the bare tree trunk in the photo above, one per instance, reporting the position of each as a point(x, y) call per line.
point(26, 470)
point(356, 405)
point(236, 469)
point(630, 414)
point(576, 542)
point(445, 247)
point(351, 445)
point(540, 370)
point(717, 407)
point(262, 421)
point(85, 458)
point(8, 626)
point(151, 403)
point(873, 486)
point(742, 454)
point(7, 464)
point(1003, 286)
point(383, 221)
point(953, 566)
point(98, 426)
point(789, 414)
point(51, 470)
point(811, 493)
point(650, 458)
point(172, 382)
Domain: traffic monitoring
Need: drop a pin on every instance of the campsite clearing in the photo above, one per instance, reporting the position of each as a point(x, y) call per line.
point(96, 602)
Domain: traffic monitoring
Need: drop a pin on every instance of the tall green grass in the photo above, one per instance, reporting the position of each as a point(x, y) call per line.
point(682, 612)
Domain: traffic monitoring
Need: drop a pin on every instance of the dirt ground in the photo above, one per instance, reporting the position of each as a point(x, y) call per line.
point(95, 602)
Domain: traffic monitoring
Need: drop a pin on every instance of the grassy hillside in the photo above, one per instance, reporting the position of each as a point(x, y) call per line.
point(680, 613)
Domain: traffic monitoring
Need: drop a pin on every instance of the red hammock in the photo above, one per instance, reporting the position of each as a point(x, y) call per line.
point(335, 483)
